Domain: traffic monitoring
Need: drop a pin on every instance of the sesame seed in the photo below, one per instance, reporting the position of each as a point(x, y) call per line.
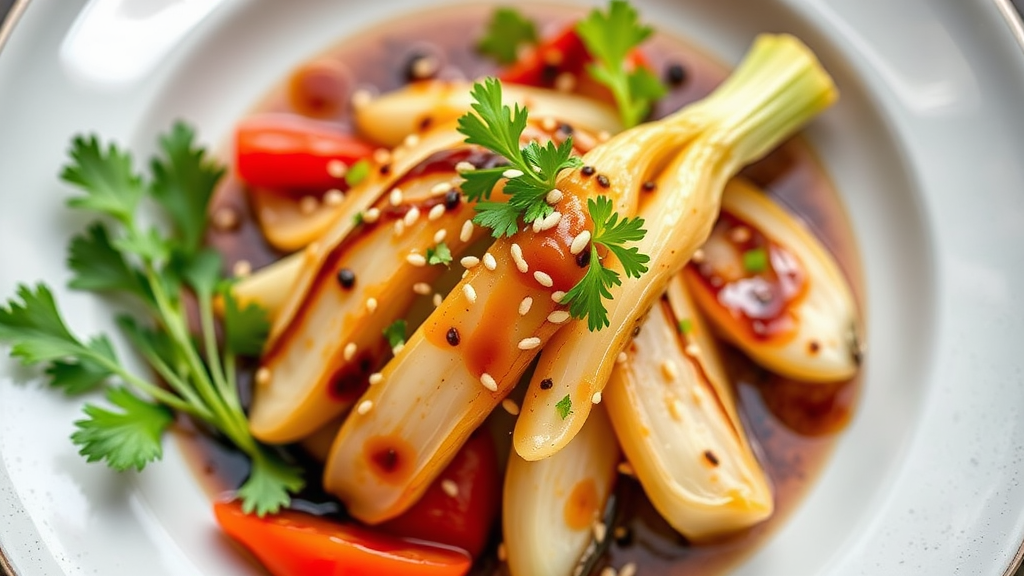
point(337, 169)
point(467, 231)
point(313, 249)
point(529, 343)
point(600, 531)
point(554, 196)
point(549, 222)
point(350, 351)
point(488, 381)
point(464, 274)
point(381, 156)
point(416, 259)
point(242, 268)
point(371, 304)
point(596, 398)
point(440, 235)
point(399, 227)
point(441, 188)
point(649, 186)
point(395, 197)
point(438, 299)
point(411, 140)
point(263, 376)
point(397, 348)
point(558, 317)
point(436, 212)
point(692, 350)
point(628, 570)
point(464, 167)
point(333, 197)
point(609, 571)
point(565, 82)
point(412, 216)
point(525, 305)
point(225, 219)
point(621, 358)
point(669, 370)
point(510, 406)
point(626, 469)
point(361, 98)
point(543, 279)
point(421, 288)
point(517, 256)
point(371, 215)
point(450, 488)
point(549, 124)
point(512, 173)
point(739, 234)
point(579, 242)
point(603, 136)
point(470, 293)
point(489, 262)
point(364, 407)
point(557, 296)
point(469, 261)
point(376, 378)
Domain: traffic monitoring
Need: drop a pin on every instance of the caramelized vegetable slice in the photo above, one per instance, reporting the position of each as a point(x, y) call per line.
point(552, 508)
point(390, 118)
point(690, 156)
point(771, 288)
point(674, 414)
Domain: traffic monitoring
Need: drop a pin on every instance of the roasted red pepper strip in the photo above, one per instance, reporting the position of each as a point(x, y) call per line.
point(460, 507)
point(297, 544)
point(289, 153)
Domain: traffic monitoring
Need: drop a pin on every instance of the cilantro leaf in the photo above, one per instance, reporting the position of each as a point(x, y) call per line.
point(479, 183)
point(585, 299)
point(150, 245)
point(107, 177)
point(129, 438)
point(564, 407)
point(269, 483)
point(439, 254)
point(79, 376)
point(34, 324)
point(496, 126)
point(357, 172)
point(502, 218)
point(183, 182)
point(507, 31)
point(395, 333)
point(100, 267)
point(609, 37)
point(245, 328)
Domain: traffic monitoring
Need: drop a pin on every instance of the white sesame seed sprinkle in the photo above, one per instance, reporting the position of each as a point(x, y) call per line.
point(381, 156)
point(376, 378)
point(558, 317)
point(470, 293)
point(525, 305)
point(313, 248)
point(438, 299)
point(621, 358)
point(436, 212)
point(371, 215)
point(397, 348)
point(510, 406)
point(411, 140)
point(441, 188)
point(422, 288)
point(692, 350)
point(450, 488)
point(550, 221)
point(350, 351)
point(517, 256)
point(371, 305)
point(225, 219)
point(334, 197)
point(669, 370)
point(596, 398)
point(739, 234)
point(600, 530)
point(364, 407)
point(416, 259)
point(488, 381)
point(464, 167)
point(543, 279)
point(565, 82)
point(529, 343)
point(609, 571)
point(489, 262)
point(467, 231)
point(512, 173)
point(628, 570)
point(469, 261)
point(549, 124)
point(554, 196)
point(395, 197)
point(263, 376)
point(361, 98)
point(603, 135)
point(557, 296)
point(698, 256)
point(440, 235)
point(581, 241)
point(399, 227)
point(412, 216)
point(337, 169)
point(242, 268)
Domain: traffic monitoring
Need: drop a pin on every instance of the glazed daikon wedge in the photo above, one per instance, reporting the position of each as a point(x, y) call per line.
point(675, 417)
point(327, 339)
point(772, 289)
point(390, 118)
point(551, 509)
point(687, 158)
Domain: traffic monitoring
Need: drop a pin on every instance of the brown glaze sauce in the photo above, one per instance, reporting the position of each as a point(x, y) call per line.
point(794, 424)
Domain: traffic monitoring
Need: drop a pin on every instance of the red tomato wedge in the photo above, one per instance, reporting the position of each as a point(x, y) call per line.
point(460, 507)
point(298, 544)
point(284, 152)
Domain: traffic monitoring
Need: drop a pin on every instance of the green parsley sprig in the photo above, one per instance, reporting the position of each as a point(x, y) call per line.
point(532, 171)
point(120, 255)
point(609, 37)
point(507, 31)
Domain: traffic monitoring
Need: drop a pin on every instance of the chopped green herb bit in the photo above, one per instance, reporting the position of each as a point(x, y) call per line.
point(439, 254)
point(357, 172)
point(395, 333)
point(755, 260)
point(686, 326)
point(358, 219)
point(506, 33)
point(564, 407)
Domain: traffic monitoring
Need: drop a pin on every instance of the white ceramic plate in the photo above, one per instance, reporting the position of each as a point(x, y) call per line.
point(926, 147)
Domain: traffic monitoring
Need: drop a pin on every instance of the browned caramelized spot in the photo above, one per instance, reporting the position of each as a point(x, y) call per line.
point(710, 458)
point(813, 347)
point(385, 169)
point(603, 181)
point(425, 123)
point(758, 303)
point(582, 506)
point(351, 380)
point(546, 384)
point(318, 89)
point(452, 336)
point(390, 458)
point(548, 251)
point(649, 186)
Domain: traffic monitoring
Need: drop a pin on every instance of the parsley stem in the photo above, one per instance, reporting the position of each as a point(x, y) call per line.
point(157, 393)
point(212, 353)
point(181, 387)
